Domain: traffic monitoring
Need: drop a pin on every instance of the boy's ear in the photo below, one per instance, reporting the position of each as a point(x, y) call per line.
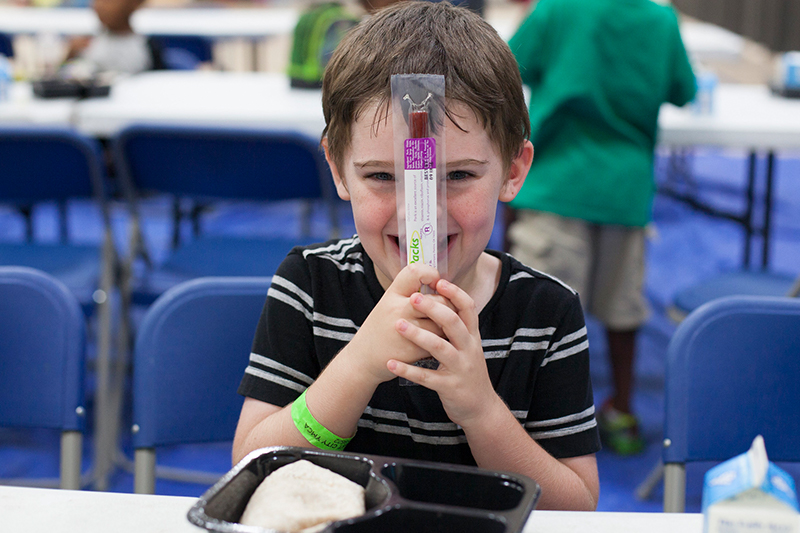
point(338, 180)
point(517, 172)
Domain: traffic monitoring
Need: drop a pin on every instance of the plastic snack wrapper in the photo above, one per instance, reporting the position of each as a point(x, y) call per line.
point(418, 111)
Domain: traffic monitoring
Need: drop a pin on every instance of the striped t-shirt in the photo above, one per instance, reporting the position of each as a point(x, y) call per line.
point(533, 336)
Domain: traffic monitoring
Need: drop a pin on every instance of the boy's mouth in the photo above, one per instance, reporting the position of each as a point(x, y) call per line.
point(396, 241)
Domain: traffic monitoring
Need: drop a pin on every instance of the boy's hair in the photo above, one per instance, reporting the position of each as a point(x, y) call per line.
point(419, 37)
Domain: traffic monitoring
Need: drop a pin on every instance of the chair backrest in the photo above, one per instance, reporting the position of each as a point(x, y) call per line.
point(201, 48)
point(222, 163)
point(49, 163)
point(733, 372)
point(190, 354)
point(42, 350)
point(6, 45)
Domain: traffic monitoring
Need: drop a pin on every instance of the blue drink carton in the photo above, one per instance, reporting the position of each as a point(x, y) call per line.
point(748, 494)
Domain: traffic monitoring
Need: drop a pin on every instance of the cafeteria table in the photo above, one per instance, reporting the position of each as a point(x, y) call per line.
point(47, 510)
point(746, 117)
point(22, 107)
point(252, 22)
point(212, 98)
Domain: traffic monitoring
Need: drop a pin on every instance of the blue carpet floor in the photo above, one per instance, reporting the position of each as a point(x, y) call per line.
point(684, 247)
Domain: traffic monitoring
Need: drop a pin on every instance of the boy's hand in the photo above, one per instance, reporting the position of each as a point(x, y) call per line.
point(462, 379)
point(378, 339)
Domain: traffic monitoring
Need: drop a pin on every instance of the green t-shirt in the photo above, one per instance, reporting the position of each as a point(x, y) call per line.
point(599, 71)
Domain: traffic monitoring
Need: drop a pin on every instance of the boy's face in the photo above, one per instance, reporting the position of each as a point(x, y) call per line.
point(476, 180)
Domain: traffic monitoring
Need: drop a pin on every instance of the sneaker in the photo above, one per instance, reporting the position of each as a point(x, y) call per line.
point(619, 431)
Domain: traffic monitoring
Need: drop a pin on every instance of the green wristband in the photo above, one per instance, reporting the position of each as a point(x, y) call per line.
point(313, 431)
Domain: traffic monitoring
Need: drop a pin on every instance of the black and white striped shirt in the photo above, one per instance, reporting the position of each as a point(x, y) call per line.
point(533, 337)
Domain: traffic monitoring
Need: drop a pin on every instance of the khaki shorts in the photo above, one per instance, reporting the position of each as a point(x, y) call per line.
point(603, 263)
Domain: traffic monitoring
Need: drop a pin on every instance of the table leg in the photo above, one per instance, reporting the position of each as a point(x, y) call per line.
point(747, 219)
point(765, 232)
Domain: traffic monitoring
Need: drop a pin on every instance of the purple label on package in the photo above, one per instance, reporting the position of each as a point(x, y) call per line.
point(420, 153)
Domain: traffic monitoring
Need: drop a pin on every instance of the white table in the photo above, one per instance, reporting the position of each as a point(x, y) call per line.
point(244, 99)
point(50, 510)
point(705, 41)
point(23, 108)
point(207, 22)
point(746, 117)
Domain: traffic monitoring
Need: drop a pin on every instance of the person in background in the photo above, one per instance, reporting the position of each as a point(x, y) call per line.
point(117, 48)
point(318, 32)
point(345, 320)
point(598, 71)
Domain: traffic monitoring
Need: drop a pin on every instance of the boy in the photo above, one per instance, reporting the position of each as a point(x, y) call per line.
point(345, 319)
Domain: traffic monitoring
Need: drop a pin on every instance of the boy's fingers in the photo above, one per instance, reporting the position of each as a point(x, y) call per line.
point(415, 374)
point(429, 341)
point(445, 317)
point(413, 277)
point(462, 302)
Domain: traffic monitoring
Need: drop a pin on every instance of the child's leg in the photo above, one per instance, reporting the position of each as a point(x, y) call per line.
point(621, 351)
point(553, 244)
point(618, 302)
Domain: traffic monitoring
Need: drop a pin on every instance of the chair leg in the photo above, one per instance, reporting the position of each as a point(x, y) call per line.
point(794, 292)
point(674, 488)
point(645, 488)
point(144, 471)
point(105, 414)
point(71, 456)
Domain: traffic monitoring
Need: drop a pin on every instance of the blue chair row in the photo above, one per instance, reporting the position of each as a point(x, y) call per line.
point(57, 165)
point(190, 354)
point(731, 372)
point(201, 164)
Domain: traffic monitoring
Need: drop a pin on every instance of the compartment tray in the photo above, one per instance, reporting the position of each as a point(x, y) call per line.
point(401, 495)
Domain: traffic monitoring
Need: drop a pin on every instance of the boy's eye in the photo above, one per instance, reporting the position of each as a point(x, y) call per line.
point(457, 175)
point(381, 176)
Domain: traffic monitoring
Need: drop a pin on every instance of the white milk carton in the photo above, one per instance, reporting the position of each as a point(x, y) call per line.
point(748, 494)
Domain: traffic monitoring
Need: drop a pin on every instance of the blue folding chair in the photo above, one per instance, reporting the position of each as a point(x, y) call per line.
point(57, 164)
point(190, 354)
point(738, 283)
point(183, 52)
point(732, 373)
point(42, 350)
point(206, 165)
point(6, 45)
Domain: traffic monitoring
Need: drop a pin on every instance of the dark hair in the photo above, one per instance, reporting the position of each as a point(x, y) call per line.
point(420, 37)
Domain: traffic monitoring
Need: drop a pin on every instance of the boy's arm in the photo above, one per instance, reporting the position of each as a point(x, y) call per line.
point(566, 484)
point(497, 440)
point(336, 400)
point(338, 397)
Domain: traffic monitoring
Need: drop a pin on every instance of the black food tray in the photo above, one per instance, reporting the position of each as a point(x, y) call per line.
point(401, 495)
point(58, 88)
